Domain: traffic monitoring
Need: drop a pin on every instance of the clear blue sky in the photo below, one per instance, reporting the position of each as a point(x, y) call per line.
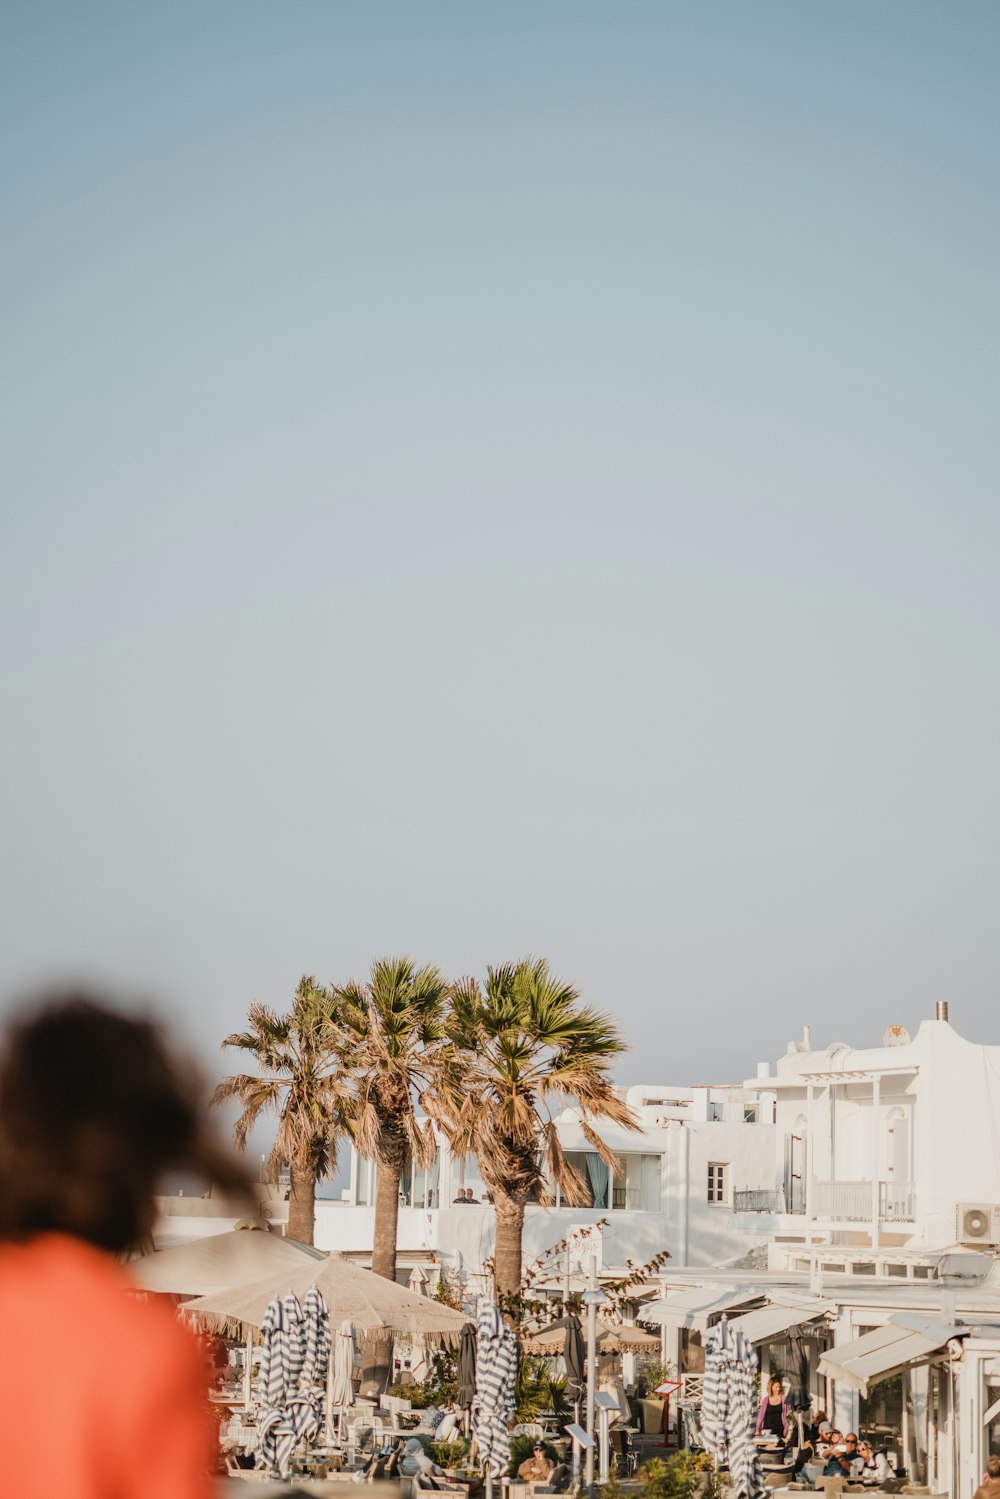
point(489, 479)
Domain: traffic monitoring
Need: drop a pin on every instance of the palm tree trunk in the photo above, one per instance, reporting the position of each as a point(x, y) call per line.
point(507, 1255)
point(302, 1204)
point(386, 1219)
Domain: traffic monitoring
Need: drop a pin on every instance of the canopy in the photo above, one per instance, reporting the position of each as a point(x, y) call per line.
point(206, 1266)
point(878, 1354)
point(770, 1321)
point(374, 1305)
point(551, 1340)
point(692, 1308)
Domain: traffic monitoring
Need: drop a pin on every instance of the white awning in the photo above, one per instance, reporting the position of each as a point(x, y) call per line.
point(878, 1354)
point(770, 1321)
point(694, 1307)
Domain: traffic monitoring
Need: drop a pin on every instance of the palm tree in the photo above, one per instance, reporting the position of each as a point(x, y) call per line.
point(520, 1046)
point(393, 1027)
point(300, 1078)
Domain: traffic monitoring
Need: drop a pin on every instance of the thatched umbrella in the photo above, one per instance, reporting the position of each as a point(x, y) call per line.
point(551, 1340)
point(217, 1261)
point(378, 1308)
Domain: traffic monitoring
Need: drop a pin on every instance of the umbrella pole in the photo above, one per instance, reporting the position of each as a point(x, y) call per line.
point(591, 1369)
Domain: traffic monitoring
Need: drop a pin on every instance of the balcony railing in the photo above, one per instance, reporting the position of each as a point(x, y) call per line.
point(758, 1200)
point(852, 1202)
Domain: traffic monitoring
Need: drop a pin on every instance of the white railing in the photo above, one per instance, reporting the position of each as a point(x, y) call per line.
point(853, 1202)
point(895, 1202)
point(758, 1200)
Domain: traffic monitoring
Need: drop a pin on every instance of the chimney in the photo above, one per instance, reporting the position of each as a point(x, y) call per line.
point(806, 1038)
point(941, 1010)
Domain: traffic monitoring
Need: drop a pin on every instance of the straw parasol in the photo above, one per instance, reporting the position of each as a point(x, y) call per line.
point(378, 1308)
point(551, 1340)
point(217, 1261)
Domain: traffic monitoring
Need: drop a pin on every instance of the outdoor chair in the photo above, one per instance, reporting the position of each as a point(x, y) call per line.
point(691, 1429)
point(626, 1457)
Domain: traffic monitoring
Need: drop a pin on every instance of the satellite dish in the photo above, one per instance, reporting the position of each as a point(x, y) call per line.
point(896, 1035)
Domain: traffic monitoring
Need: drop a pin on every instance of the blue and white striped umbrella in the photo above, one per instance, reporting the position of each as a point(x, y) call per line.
point(284, 1351)
point(496, 1370)
point(317, 1339)
point(279, 1432)
point(729, 1399)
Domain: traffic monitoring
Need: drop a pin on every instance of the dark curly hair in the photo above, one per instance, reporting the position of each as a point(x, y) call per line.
point(93, 1109)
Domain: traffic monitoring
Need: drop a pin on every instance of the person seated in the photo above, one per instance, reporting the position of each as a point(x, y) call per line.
point(990, 1486)
point(818, 1427)
point(459, 1201)
point(469, 1197)
point(828, 1442)
point(873, 1467)
point(537, 1468)
point(842, 1461)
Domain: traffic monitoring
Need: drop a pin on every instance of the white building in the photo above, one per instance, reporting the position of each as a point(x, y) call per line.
point(696, 1150)
point(883, 1268)
point(892, 1146)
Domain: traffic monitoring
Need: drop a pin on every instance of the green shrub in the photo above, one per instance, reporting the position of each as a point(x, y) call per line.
point(653, 1372)
point(538, 1389)
point(679, 1476)
point(448, 1454)
point(439, 1388)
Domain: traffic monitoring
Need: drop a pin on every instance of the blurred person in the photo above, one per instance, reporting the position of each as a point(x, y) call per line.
point(102, 1394)
point(990, 1486)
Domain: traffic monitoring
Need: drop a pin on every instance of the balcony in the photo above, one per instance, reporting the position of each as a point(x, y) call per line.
point(759, 1200)
point(852, 1202)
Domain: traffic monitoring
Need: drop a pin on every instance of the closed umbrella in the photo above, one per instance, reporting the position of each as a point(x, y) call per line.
point(284, 1350)
point(496, 1371)
point(288, 1414)
point(574, 1355)
point(798, 1396)
point(280, 1431)
point(728, 1401)
point(317, 1339)
point(467, 1367)
point(342, 1389)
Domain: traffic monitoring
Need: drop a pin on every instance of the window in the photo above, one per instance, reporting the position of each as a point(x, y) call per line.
point(465, 1177)
point(716, 1113)
point(419, 1188)
point(367, 1180)
point(637, 1185)
point(596, 1177)
point(750, 1113)
point(718, 1174)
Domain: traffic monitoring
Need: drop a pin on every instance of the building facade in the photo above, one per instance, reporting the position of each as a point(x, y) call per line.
point(674, 1187)
point(892, 1146)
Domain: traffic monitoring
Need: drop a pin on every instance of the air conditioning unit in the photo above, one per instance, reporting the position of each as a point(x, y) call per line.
point(977, 1223)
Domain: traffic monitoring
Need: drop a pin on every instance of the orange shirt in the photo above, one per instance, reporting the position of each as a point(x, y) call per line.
point(102, 1396)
